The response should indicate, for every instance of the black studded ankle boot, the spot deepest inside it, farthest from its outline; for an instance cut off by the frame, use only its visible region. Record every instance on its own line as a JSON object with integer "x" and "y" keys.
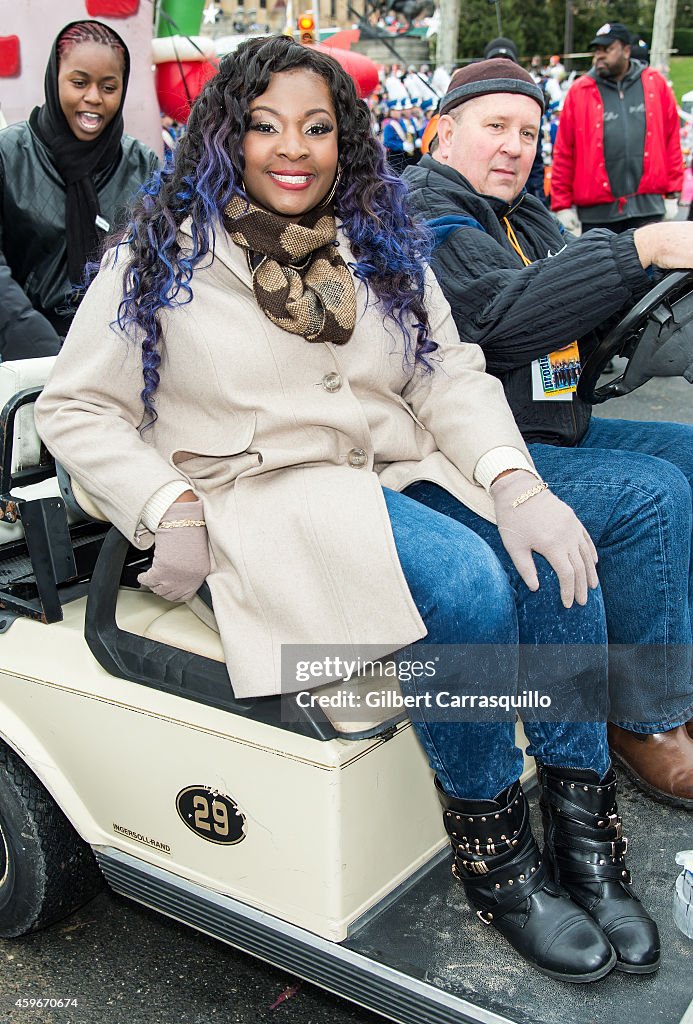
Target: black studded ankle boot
{"x": 499, "y": 864}
{"x": 585, "y": 853}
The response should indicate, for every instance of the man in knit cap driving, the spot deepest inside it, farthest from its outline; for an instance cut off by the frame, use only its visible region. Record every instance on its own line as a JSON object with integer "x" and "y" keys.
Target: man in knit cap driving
{"x": 535, "y": 299}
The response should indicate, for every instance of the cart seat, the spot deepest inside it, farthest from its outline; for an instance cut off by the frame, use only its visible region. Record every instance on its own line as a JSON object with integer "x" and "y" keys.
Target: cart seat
{"x": 27, "y": 458}
{"x": 16, "y": 376}
{"x": 178, "y": 628}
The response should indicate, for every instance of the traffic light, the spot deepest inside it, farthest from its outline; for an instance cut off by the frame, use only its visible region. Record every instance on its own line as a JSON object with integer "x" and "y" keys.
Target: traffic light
{"x": 306, "y": 29}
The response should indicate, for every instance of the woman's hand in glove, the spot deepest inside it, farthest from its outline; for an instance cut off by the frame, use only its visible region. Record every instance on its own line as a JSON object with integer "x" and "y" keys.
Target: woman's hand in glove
{"x": 181, "y": 553}
{"x": 545, "y": 524}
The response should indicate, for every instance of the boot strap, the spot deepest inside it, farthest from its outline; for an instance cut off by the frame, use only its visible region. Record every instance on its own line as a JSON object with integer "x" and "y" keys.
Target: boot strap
{"x": 577, "y": 791}
{"x": 481, "y": 833}
{"x": 511, "y": 883}
{"x": 612, "y": 849}
{"x": 521, "y": 892}
{"x": 571, "y": 870}
{"x": 594, "y": 819}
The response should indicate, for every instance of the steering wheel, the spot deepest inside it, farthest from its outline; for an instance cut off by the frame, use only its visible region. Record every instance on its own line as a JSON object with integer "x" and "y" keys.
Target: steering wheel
{"x": 656, "y": 337}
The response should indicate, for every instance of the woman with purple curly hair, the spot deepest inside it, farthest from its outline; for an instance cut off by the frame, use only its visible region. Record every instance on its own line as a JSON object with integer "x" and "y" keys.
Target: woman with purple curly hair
{"x": 257, "y": 374}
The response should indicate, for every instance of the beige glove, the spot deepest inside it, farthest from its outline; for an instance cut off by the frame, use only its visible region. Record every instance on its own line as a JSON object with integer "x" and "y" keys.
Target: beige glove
{"x": 543, "y": 523}
{"x": 181, "y": 553}
{"x": 570, "y": 220}
{"x": 671, "y": 209}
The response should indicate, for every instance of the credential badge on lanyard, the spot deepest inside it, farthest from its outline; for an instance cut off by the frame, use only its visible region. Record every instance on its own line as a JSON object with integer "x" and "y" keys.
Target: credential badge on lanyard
{"x": 555, "y": 375}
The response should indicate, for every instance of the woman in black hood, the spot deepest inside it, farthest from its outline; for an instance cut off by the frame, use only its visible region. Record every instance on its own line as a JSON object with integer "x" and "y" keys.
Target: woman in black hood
{"x": 66, "y": 177}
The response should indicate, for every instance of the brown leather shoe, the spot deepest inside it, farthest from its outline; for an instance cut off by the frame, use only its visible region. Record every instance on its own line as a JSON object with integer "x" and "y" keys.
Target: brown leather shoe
{"x": 660, "y": 764}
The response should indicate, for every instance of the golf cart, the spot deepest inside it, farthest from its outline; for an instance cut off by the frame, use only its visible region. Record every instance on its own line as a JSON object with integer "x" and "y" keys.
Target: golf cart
{"x": 308, "y": 840}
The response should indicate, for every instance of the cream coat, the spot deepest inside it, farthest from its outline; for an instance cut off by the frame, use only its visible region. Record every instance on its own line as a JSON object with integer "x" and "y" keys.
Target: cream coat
{"x": 300, "y": 538}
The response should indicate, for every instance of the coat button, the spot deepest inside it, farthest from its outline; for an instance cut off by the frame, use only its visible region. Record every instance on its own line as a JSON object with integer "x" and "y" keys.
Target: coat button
{"x": 357, "y": 457}
{"x": 332, "y": 382}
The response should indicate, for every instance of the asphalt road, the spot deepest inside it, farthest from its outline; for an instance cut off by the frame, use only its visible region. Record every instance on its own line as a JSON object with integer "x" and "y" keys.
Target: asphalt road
{"x": 123, "y": 963}
{"x": 661, "y": 399}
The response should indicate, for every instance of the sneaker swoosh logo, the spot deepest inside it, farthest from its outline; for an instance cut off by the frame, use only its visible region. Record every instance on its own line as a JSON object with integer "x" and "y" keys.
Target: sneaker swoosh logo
{"x": 550, "y": 254}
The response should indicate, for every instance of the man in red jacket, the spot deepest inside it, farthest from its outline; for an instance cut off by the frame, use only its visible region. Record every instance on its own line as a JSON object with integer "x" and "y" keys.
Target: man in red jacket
{"x": 618, "y": 150}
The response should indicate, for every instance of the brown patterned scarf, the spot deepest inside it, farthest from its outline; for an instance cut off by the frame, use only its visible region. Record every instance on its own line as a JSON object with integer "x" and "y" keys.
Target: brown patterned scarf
{"x": 300, "y": 281}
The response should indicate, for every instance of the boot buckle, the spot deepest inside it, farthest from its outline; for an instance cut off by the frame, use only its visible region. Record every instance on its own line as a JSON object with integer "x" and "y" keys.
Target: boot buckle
{"x": 475, "y": 867}
{"x": 486, "y": 920}
{"x": 622, "y": 844}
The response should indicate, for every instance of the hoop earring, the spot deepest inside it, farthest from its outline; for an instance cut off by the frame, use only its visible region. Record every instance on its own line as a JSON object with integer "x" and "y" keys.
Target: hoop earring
{"x": 335, "y": 185}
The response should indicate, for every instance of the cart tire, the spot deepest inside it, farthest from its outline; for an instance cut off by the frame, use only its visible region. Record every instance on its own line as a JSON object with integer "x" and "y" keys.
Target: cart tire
{"x": 46, "y": 869}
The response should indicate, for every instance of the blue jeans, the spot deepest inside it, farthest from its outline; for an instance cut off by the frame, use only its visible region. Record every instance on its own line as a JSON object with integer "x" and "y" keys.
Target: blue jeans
{"x": 630, "y": 484}
{"x": 467, "y": 597}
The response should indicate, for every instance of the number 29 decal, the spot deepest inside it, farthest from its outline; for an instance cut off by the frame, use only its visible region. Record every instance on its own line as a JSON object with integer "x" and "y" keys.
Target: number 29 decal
{"x": 211, "y": 815}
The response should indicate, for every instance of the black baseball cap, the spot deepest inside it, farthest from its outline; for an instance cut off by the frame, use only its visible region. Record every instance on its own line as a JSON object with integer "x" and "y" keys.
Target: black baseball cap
{"x": 502, "y": 47}
{"x": 612, "y": 32}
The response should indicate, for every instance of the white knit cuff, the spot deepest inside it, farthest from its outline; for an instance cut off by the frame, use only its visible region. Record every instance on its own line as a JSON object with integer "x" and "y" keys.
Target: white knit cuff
{"x": 497, "y": 461}
{"x": 161, "y": 501}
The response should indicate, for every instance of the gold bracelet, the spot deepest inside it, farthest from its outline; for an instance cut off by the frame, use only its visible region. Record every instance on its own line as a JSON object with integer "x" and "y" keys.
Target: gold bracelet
{"x": 174, "y": 524}
{"x": 537, "y": 489}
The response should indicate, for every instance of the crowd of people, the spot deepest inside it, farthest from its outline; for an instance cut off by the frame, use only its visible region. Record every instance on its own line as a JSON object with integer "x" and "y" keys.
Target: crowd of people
{"x": 369, "y": 458}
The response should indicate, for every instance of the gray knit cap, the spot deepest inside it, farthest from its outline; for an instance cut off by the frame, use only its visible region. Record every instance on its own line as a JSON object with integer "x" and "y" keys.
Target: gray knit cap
{"x": 487, "y": 76}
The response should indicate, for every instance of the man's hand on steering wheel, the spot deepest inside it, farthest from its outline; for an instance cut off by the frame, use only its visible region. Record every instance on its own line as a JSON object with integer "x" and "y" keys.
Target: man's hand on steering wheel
{"x": 668, "y": 245}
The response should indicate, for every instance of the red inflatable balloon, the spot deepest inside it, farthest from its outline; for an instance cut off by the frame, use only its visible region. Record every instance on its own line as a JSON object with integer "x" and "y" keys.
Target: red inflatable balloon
{"x": 362, "y": 69}
{"x": 179, "y": 84}
{"x": 173, "y": 79}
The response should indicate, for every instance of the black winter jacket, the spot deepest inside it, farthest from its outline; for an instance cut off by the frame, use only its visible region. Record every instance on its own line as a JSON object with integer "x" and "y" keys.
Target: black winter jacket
{"x": 32, "y": 227}
{"x": 519, "y": 313}
{"x": 24, "y": 333}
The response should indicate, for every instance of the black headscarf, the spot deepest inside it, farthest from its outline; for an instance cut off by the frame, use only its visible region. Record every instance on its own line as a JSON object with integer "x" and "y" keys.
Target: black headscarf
{"x": 77, "y": 161}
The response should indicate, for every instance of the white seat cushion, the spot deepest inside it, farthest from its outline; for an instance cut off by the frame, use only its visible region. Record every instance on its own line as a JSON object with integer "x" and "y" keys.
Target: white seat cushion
{"x": 179, "y": 627}
{"x": 16, "y": 375}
